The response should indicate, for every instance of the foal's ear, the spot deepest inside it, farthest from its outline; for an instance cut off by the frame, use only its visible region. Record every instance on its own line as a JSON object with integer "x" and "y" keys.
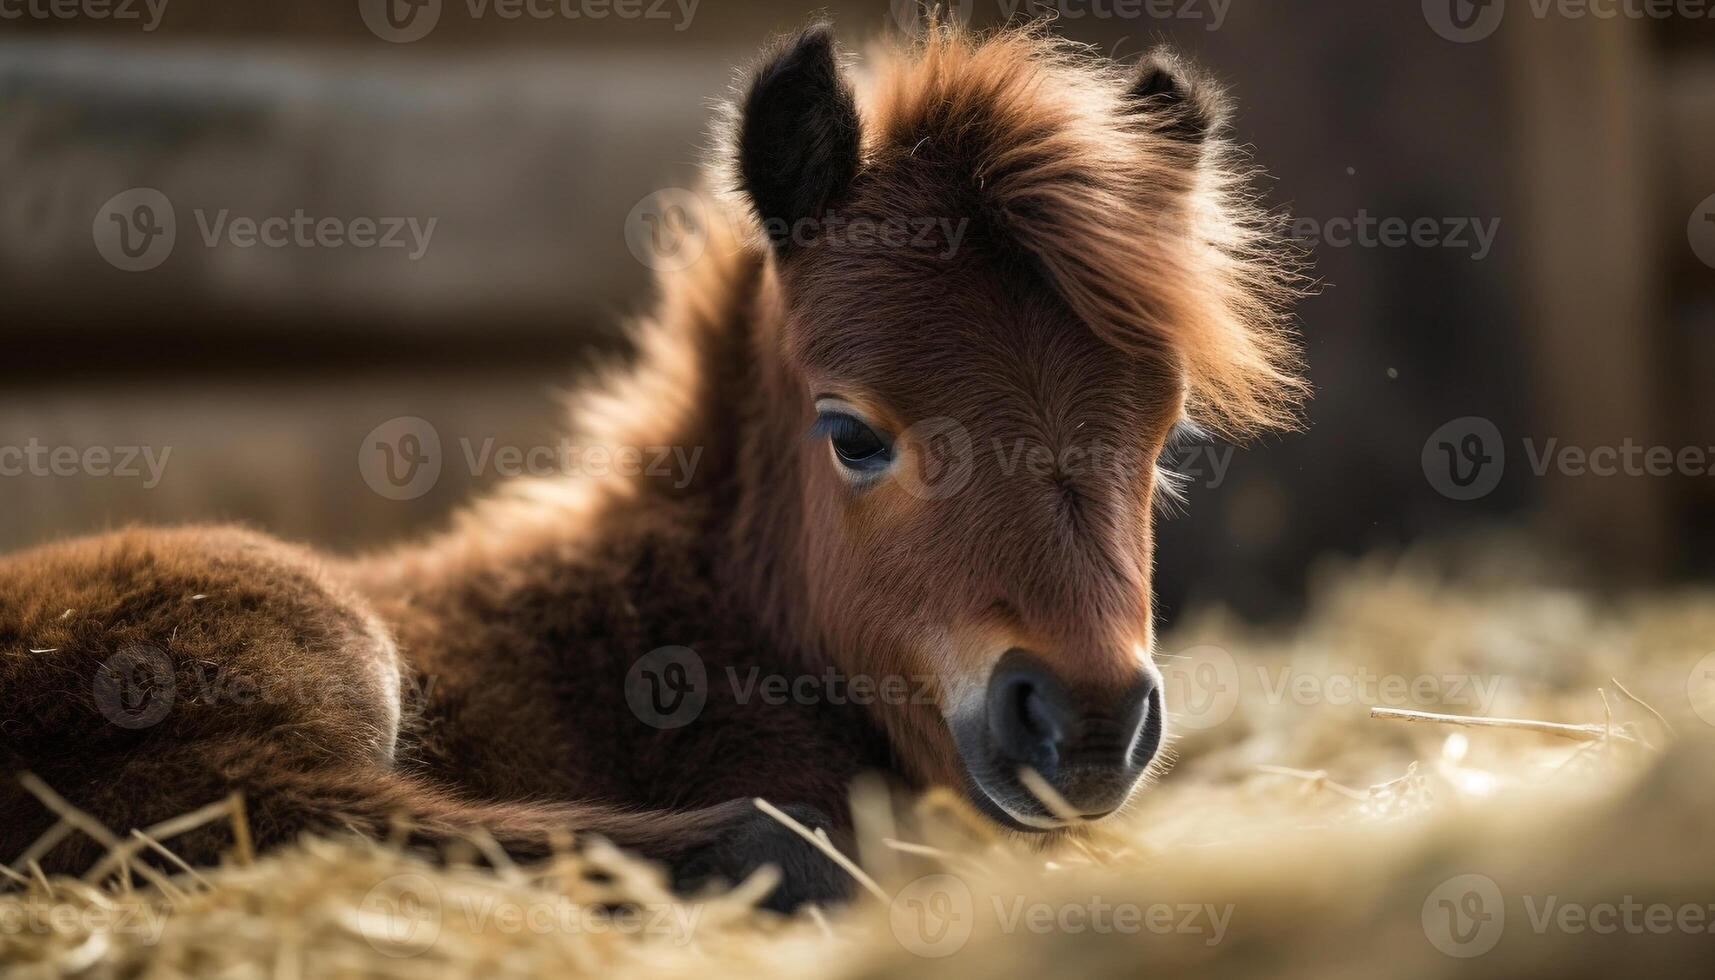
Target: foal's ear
{"x": 798, "y": 134}
{"x": 1176, "y": 99}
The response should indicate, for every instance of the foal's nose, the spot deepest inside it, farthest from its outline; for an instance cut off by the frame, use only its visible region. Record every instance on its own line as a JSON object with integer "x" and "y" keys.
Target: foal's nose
{"x": 1090, "y": 746}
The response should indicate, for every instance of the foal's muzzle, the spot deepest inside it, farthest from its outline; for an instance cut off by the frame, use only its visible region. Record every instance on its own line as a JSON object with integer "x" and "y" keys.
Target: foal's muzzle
{"x": 1091, "y": 746}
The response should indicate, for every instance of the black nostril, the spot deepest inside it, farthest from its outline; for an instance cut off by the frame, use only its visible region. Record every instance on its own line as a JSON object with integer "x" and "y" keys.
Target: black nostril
{"x": 1028, "y": 712}
{"x": 1040, "y": 718}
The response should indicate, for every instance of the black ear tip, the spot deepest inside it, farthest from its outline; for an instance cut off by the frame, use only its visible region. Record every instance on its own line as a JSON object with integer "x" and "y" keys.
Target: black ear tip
{"x": 816, "y": 37}
{"x": 805, "y": 60}
{"x": 1188, "y": 105}
{"x": 798, "y": 136}
{"x": 1161, "y": 74}
{"x": 811, "y": 49}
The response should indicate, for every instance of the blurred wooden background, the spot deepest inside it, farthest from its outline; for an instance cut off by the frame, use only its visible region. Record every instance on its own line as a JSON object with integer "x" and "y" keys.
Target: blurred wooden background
{"x": 530, "y": 141}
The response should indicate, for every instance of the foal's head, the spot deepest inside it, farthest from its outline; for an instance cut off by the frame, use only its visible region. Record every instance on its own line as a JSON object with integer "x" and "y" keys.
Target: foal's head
{"x": 1004, "y": 277}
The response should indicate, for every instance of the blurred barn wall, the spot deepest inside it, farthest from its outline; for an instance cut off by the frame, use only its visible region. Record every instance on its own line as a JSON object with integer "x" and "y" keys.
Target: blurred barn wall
{"x": 1584, "y": 143}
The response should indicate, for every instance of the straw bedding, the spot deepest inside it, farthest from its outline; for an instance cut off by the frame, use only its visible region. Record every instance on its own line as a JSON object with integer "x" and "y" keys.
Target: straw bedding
{"x": 1297, "y": 835}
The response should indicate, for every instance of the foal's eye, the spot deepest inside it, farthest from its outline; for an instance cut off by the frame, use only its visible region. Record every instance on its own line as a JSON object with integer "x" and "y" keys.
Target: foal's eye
{"x": 857, "y": 446}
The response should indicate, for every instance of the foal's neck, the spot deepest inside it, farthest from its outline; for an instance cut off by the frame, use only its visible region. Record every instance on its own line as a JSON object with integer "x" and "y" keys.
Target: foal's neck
{"x": 760, "y": 522}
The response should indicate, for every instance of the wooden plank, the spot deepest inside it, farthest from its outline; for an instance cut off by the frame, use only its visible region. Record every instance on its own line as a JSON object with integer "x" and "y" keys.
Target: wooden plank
{"x": 1581, "y": 100}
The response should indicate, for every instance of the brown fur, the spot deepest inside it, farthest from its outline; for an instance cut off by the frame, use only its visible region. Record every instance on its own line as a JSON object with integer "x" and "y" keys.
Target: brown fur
{"x": 1110, "y": 281}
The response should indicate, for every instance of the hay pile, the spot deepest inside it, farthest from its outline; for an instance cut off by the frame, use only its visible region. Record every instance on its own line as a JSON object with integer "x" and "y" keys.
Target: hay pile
{"x": 1297, "y": 835}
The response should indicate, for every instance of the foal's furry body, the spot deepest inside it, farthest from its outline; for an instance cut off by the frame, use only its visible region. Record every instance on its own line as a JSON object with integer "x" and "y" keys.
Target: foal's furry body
{"x": 477, "y": 679}
{"x": 457, "y": 683}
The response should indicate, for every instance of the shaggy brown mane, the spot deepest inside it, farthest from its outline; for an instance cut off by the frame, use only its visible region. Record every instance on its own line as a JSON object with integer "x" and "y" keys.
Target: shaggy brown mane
{"x": 1154, "y": 241}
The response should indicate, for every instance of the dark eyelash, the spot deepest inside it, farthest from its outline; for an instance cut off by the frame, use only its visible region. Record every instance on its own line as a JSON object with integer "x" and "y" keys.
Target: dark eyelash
{"x": 838, "y": 425}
